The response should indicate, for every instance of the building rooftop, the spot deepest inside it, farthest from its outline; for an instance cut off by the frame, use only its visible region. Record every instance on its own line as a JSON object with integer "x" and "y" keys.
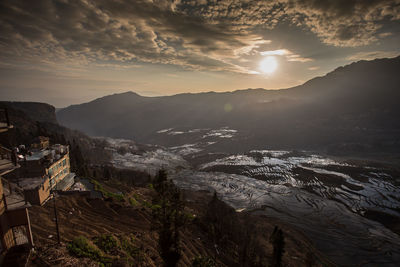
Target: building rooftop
{"x": 37, "y": 155}
{"x": 54, "y": 152}
{"x": 30, "y": 183}
{"x": 14, "y": 199}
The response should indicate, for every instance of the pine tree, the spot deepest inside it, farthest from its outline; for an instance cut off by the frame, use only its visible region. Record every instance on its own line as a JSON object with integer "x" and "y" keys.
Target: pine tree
{"x": 278, "y": 242}
{"x": 168, "y": 210}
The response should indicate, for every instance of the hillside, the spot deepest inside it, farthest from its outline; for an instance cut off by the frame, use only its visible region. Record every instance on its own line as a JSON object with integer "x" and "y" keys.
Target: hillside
{"x": 31, "y": 120}
{"x": 125, "y": 218}
{"x": 121, "y": 221}
{"x": 36, "y": 111}
{"x": 350, "y": 108}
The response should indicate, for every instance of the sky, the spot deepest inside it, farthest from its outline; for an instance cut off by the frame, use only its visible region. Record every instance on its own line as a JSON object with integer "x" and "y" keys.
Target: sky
{"x": 72, "y": 51}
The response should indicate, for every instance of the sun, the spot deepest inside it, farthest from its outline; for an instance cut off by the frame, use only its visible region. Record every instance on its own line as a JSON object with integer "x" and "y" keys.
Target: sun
{"x": 268, "y": 65}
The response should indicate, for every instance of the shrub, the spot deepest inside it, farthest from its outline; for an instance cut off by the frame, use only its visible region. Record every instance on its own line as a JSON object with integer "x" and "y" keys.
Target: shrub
{"x": 133, "y": 202}
{"x": 82, "y": 247}
{"x": 107, "y": 243}
{"x": 201, "y": 261}
{"x": 128, "y": 246}
{"x": 99, "y": 187}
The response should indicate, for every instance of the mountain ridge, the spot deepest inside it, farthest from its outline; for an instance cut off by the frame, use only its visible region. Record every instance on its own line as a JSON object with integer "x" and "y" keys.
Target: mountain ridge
{"x": 312, "y": 80}
{"x": 348, "y": 105}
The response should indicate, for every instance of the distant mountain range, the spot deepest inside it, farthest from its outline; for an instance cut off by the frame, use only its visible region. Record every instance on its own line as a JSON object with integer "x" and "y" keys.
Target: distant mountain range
{"x": 353, "y": 108}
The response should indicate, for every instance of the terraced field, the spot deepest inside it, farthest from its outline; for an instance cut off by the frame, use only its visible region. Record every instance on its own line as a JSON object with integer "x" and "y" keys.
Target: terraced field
{"x": 349, "y": 209}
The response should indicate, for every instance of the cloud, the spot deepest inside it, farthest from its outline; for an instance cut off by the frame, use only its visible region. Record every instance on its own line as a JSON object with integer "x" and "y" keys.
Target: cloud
{"x": 335, "y": 22}
{"x": 197, "y": 35}
{"x": 314, "y": 68}
{"x": 385, "y": 34}
{"x": 290, "y": 56}
{"x": 372, "y": 55}
{"x": 85, "y": 32}
{"x": 344, "y": 22}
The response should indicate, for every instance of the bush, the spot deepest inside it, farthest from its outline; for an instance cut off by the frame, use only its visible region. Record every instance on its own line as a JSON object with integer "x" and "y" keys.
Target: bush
{"x": 82, "y": 247}
{"x": 133, "y": 202}
{"x": 99, "y": 187}
{"x": 128, "y": 246}
{"x": 107, "y": 243}
{"x": 201, "y": 261}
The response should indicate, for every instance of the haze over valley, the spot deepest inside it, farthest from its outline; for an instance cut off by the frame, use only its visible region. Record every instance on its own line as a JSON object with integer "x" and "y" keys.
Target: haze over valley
{"x": 351, "y": 109}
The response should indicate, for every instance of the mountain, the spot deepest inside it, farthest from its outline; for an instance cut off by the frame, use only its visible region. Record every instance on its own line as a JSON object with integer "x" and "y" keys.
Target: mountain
{"x": 351, "y": 108}
{"x": 33, "y": 119}
{"x": 41, "y": 112}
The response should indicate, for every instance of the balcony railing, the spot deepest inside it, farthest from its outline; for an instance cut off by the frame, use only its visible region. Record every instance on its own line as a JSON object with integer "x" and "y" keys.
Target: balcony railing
{"x": 5, "y": 153}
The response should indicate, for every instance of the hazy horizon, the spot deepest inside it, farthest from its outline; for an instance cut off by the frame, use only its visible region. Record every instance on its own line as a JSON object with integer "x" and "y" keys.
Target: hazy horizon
{"x": 64, "y": 53}
{"x": 154, "y": 94}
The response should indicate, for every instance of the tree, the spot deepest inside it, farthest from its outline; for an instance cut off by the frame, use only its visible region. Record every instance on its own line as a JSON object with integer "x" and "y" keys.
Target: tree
{"x": 278, "y": 242}
{"x": 106, "y": 172}
{"x": 77, "y": 160}
{"x": 168, "y": 211}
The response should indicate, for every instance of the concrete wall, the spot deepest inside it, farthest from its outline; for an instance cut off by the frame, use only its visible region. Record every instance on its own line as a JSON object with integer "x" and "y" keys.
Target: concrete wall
{"x": 39, "y": 194}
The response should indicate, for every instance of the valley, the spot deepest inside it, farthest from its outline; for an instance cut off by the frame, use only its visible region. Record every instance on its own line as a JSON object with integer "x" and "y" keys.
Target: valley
{"x": 337, "y": 203}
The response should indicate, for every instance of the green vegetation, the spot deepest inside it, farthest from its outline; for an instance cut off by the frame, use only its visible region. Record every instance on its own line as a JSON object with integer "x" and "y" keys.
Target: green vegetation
{"x": 107, "y": 243}
{"x": 107, "y": 249}
{"x": 99, "y": 187}
{"x": 127, "y": 244}
{"x": 82, "y": 247}
{"x": 168, "y": 211}
{"x": 133, "y": 202}
{"x": 201, "y": 261}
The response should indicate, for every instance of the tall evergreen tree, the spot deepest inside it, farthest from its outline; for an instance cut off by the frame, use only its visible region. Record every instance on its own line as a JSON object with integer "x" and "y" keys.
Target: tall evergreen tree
{"x": 169, "y": 214}
{"x": 278, "y": 242}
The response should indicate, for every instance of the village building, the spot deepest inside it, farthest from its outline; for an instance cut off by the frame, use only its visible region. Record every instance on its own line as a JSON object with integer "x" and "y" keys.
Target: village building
{"x": 44, "y": 169}
{"x": 36, "y": 190}
{"x": 15, "y": 228}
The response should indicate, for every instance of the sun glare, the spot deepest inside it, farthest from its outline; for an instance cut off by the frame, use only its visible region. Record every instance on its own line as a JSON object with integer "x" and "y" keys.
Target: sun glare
{"x": 268, "y": 65}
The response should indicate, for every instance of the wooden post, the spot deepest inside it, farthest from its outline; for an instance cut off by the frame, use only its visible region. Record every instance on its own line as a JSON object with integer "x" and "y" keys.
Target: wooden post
{"x": 55, "y": 213}
{"x": 5, "y": 201}
{"x": 28, "y": 228}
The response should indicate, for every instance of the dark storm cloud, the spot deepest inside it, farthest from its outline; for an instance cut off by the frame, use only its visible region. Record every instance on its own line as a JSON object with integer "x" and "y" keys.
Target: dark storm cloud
{"x": 114, "y": 30}
{"x": 194, "y": 34}
{"x": 336, "y": 22}
{"x": 345, "y": 22}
